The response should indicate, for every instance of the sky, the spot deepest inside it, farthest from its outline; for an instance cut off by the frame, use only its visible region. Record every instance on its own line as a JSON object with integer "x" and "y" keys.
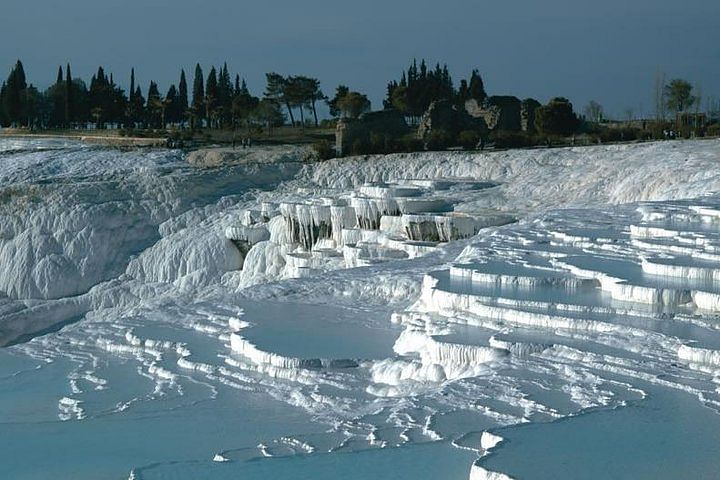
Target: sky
{"x": 608, "y": 50}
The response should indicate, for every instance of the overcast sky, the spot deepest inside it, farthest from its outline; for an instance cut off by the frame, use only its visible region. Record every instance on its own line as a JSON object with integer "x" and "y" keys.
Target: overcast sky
{"x": 607, "y": 50}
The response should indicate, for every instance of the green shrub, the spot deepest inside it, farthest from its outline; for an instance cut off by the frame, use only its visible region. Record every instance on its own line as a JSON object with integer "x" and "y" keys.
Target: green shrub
{"x": 360, "y": 146}
{"x": 506, "y": 139}
{"x": 378, "y": 143}
{"x": 328, "y": 123}
{"x": 438, "y": 140}
{"x": 713, "y": 130}
{"x": 324, "y": 149}
{"x": 468, "y": 139}
{"x": 410, "y": 143}
{"x": 623, "y": 135}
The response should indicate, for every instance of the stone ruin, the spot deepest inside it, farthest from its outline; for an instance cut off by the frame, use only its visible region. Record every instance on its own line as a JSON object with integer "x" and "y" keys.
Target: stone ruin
{"x": 505, "y": 113}
{"x": 444, "y": 115}
{"x": 383, "y": 122}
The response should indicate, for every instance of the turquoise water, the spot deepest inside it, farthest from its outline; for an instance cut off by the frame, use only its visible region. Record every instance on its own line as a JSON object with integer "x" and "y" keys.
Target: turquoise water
{"x": 430, "y": 461}
{"x": 174, "y": 439}
{"x": 668, "y": 435}
{"x": 34, "y": 444}
{"x": 323, "y": 331}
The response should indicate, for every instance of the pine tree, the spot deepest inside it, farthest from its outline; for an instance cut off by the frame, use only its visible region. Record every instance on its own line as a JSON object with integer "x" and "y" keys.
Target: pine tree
{"x": 276, "y": 91}
{"x": 353, "y": 104}
{"x": 295, "y": 93}
{"x": 306, "y": 93}
{"x": 340, "y": 92}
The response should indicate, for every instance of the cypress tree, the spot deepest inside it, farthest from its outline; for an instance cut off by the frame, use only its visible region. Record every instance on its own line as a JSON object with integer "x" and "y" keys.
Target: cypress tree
{"x": 4, "y": 120}
{"x": 154, "y": 105}
{"x": 15, "y": 95}
{"x": 118, "y": 103}
{"x": 224, "y": 86}
{"x": 132, "y": 83}
{"x": 225, "y": 94}
{"x": 171, "y": 109}
{"x": 463, "y": 93}
{"x": 476, "y": 88}
{"x": 198, "y": 100}
{"x": 56, "y": 94}
{"x": 130, "y": 114}
{"x": 211, "y": 95}
{"x": 130, "y": 110}
{"x": 182, "y": 96}
{"x": 69, "y": 100}
{"x": 139, "y": 105}
{"x": 102, "y": 98}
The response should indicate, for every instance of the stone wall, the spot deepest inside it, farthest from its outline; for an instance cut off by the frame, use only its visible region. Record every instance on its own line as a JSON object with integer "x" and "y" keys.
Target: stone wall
{"x": 384, "y": 122}
{"x": 499, "y": 112}
{"x": 443, "y": 115}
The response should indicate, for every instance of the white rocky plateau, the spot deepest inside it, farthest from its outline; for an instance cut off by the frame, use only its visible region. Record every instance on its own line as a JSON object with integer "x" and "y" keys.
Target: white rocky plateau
{"x": 394, "y": 300}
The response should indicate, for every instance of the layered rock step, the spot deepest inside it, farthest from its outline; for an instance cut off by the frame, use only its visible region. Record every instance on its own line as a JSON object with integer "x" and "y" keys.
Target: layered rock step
{"x": 377, "y": 222}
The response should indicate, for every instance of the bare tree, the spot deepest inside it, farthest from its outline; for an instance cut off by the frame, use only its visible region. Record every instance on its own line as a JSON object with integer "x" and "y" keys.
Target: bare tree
{"x": 679, "y": 95}
{"x": 660, "y": 100}
{"x": 629, "y": 114}
{"x": 712, "y": 107}
{"x": 594, "y": 112}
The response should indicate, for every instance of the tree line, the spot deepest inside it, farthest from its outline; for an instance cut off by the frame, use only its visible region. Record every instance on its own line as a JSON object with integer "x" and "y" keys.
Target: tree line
{"x": 219, "y": 100}
{"x": 419, "y": 86}
{"x": 215, "y": 101}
